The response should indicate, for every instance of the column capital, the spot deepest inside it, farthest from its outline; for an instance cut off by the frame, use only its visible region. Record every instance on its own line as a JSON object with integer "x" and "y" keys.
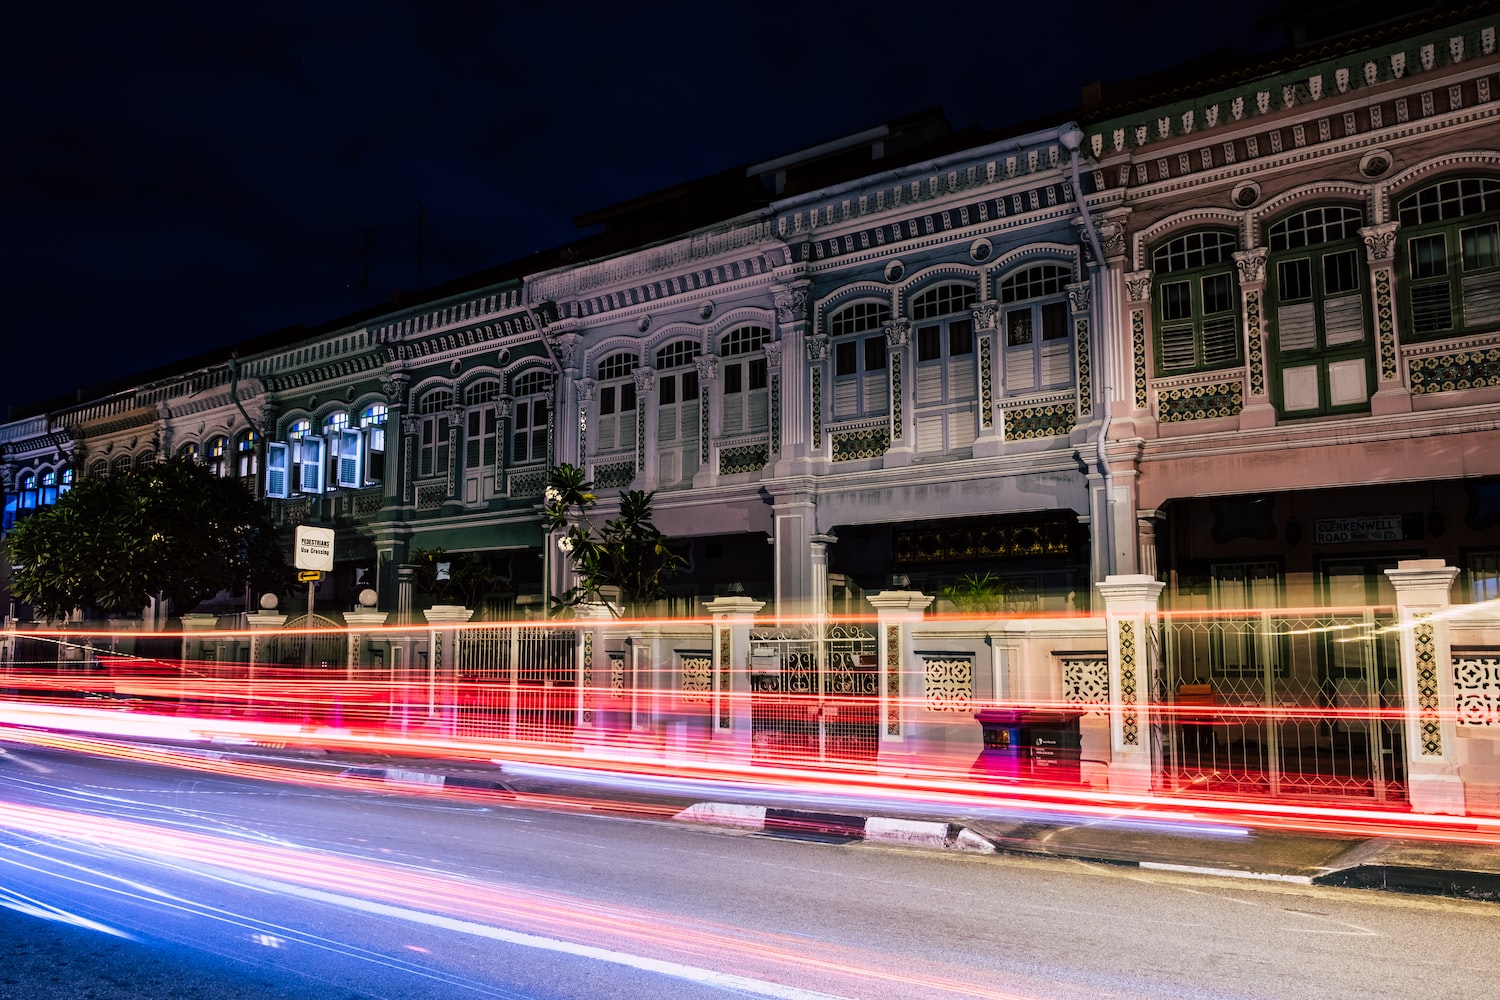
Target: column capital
{"x": 1252, "y": 265}
{"x": 1380, "y": 241}
{"x": 1138, "y": 286}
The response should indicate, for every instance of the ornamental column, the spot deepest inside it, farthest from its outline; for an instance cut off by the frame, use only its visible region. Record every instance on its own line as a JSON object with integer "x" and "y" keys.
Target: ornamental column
{"x": 647, "y": 461}
{"x": 1423, "y": 589}
{"x": 1130, "y": 604}
{"x": 1258, "y": 411}
{"x": 395, "y": 389}
{"x": 794, "y": 522}
{"x": 791, "y": 400}
{"x": 1080, "y": 299}
{"x": 1392, "y": 395}
{"x": 819, "y": 446}
{"x": 991, "y": 431}
{"x": 585, "y": 389}
{"x": 710, "y": 421}
{"x": 569, "y": 422}
{"x": 455, "y": 457}
{"x": 903, "y": 447}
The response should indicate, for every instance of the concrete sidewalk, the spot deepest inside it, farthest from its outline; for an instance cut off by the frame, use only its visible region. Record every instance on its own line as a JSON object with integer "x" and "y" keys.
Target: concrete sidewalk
{"x": 1412, "y": 866}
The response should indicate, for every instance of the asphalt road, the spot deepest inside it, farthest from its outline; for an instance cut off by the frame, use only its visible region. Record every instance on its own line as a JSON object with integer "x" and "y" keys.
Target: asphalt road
{"x": 123, "y": 880}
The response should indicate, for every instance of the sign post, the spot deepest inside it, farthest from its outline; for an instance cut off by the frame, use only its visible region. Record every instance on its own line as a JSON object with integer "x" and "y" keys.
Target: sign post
{"x": 314, "y": 557}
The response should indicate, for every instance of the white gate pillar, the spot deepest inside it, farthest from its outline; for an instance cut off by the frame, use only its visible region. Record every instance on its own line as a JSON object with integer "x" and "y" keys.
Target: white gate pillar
{"x": 1130, "y": 604}
{"x": 733, "y": 618}
{"x": 442, "y": 663}
{"x": 1423, "y": 587}
{"x": 896, "y": 611}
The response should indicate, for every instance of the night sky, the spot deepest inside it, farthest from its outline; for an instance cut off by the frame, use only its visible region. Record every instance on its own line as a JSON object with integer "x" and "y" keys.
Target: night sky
{"x": 177, "y": 177}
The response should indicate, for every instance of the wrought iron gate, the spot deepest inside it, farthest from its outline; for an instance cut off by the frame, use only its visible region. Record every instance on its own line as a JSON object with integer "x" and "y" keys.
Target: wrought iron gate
{"x": 517, "y": 682}
{"x": 1279, "y": 703}
{"x": 815, "y": 693}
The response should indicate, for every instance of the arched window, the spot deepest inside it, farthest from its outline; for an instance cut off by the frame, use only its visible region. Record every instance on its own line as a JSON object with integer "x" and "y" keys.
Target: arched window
{"x": 615, "y": 428}
{"x": 247, "y": 464}
{"x": 677, "y": 410}
{"x": 1450, "y": 256}
{"x": 481, "y": 435}
{"x": 28, "y": 492}
{"x": 1038, "y": 336}
{"x": 98, "y": 469}
{"x": 122, "y": 465}
{"x": 189, "y": 452}
{"x": 306, "y": 458}
{"x": 745, "y": 406}
{"x": 1322, "y": 352}
{"x": 142, "y": 460}
{"x": 67, "y": 481}
{"x": 216, "y": 455}
{"x": 48, "y": 495}
{"x": 1197, "y": 321}
{"x": 432, "y": 450}
{"x": 372, "y": 421}
{"x": 530, "y": 414}
{"x": 861, "y": 385}
{"x": 947, "y": 376}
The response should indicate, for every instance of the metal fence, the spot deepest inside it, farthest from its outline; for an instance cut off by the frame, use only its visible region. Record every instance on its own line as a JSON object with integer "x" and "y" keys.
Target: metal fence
{"x": 1281, "y": 703}
{"x": 815, "y": 693}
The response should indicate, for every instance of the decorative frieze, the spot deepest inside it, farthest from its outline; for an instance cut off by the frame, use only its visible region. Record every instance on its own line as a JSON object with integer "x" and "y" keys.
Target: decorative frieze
{"x": 1027, "y": 423}
{"x": 1200, "y": 402}
{"x": 1476, "y": 369}
{"x": 866, "y": 442}
{"x": 616, "y": 475}
{"x": 746, "y": 458}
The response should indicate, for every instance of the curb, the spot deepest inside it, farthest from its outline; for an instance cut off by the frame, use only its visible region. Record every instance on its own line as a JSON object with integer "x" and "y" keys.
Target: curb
{"x": 403, "y": 776}
{"x": 877, "y": 829}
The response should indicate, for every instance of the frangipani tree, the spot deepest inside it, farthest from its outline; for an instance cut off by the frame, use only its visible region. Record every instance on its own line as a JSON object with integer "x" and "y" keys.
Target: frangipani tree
{"x": 627, "y": 553}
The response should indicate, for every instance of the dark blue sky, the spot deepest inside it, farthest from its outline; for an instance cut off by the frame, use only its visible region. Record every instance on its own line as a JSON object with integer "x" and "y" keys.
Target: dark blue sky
{"x": 178, "y": 176}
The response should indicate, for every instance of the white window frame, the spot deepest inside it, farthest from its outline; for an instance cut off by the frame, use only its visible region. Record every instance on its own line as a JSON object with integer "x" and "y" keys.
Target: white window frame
{"x": 946, "y": 384}
{"x": 861, "y": 391}
{"x": 1027, "y": 297}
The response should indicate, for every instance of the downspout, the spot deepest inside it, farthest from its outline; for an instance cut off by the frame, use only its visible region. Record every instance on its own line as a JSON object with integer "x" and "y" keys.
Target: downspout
{"x": 536, "y": 321}
{"x": 1071, "y": 136}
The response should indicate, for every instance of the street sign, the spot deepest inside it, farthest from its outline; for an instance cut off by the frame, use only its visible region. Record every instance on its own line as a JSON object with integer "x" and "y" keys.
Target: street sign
{"x": 309, "y": 576}
{"x": 314, "y": 548}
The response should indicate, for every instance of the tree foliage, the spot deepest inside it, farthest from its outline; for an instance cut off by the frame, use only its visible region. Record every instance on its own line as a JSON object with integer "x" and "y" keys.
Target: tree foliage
{"x": 627, "y": 553}
{"x": 465, "y": 578}
{"x": 172, "y": 528}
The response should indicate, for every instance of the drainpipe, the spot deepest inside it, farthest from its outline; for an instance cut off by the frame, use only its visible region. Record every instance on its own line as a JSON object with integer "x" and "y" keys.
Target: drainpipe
{"x": 1071, "y": 136}
{"x": 541, "y": 331}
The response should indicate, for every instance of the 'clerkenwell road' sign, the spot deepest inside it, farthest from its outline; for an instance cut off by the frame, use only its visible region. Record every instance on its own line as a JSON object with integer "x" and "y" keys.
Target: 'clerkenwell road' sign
{"x": 1373, "y": 528}
{"x": 314, "y": 548}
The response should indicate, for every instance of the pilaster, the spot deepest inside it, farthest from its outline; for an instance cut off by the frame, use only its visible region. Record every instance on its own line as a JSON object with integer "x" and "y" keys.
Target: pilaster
{"x": 896, "y": 611}
{"x": 1423, "y": 595}
{"x": 1391, "y": 392}
{"x": 1130, "y": 605}
{"x": 1258, "y": 411}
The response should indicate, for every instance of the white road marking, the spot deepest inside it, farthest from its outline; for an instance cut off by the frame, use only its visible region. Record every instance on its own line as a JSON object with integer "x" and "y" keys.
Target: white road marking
{"x": 691, "y": 973}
